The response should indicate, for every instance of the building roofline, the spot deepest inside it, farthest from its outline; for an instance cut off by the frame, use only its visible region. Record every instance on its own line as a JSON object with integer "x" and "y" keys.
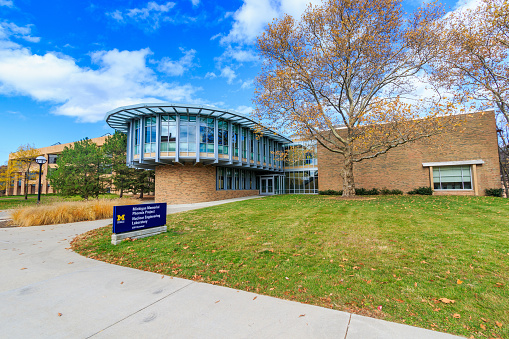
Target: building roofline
{"x": 118, "y": 118}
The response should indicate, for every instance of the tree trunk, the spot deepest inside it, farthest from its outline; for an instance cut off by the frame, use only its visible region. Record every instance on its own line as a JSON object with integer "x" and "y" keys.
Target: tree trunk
{"x": 141, "y": 192}
{"x": 505, "y": 175}
{"x": 27, "y": 174}
{"x": 121, "y": 192}
{"x": 348, "y": 179}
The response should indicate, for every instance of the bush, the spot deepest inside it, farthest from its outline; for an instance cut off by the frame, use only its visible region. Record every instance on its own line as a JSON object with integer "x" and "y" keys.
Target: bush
{"x": 396, "y": 192}
{"x": 67, "y": 212}
{"x": 363, "y": 191}
{"x": 330, "y": 192}
{"x": 493, "y": 192}
{"x": 422, "y": 191}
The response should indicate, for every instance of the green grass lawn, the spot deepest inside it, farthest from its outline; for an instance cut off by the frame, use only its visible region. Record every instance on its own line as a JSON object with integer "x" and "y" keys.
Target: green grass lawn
{"x": 400, "y": 253}
{"x": 15, "y": 201}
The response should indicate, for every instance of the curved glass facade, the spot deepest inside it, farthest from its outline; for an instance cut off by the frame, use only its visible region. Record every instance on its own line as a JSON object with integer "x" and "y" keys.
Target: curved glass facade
{"x": 161, "y": 134}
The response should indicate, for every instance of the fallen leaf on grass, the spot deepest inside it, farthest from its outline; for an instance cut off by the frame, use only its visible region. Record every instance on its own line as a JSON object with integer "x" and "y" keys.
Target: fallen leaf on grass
{"x": 456, "y": 316}
{"x": 447, "y": 301}
{"x": 499, "y": 284}
{"x": 482, "y": 326}
{"x": 498, "y": 323}
{"x": 223, "y": 271}
{"x": 484, "y": 320}
{"x": 437, "y": 309}
{"x": 459, "y": 282}
{"x": 186, "y": 247}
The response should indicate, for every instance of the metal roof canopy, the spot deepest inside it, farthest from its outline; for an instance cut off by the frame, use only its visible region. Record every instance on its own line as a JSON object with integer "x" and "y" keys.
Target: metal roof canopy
{"x": 119, "y": 117}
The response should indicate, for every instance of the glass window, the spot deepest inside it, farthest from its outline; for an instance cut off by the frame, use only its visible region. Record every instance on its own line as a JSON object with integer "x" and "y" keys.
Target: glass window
{"x": 52, "y": 158}
{"x": 206, "y": 135}
{"x": 150, "y": 135}
{"x": 222, "y": 137}
{"x": 168, "y": 133}
{"x": 235, "y": 140}
{"x": 452, "y": 178}
{"x": 244, "y": 142}
{"x": 187, "y": 138}
{"x": 137, "y": 137}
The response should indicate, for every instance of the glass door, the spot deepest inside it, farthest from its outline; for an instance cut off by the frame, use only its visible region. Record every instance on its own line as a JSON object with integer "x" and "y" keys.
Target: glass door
{"x": 267, "y": 185}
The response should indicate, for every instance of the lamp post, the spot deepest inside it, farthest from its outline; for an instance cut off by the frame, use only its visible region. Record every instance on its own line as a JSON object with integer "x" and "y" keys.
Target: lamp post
{"x": 41, "y": 161}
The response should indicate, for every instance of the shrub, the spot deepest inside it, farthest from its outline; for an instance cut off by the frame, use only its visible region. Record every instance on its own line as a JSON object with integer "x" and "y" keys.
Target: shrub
{"x": 397, "y": 192}
{"x": 361, "y": 191}
{"x": 493, "y": 192}
{"x": 422, "y": 191}
{"x": 330, "y": 192}
{"x": 66, "y": 212}
{"x": 373, "y": 191}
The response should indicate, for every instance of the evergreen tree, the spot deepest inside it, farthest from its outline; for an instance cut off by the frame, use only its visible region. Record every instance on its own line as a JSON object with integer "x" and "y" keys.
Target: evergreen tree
{"x": 115, "y": 150}
{"x": 80, "y": 170}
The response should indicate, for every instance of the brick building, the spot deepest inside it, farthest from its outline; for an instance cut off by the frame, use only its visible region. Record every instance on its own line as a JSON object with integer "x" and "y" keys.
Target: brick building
{"x": 51, "y": 153}
{"x": 202, "y": 153}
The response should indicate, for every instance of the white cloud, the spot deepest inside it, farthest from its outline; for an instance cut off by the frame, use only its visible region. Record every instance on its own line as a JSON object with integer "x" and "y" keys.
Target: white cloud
{"x": 229, "y": 74}
{"x": 210, "y": 75}
{"x": 466, "y": 4}
{"x": 10, "y": 29}
{"x": 195, "y": 2}
{"x": 251, "y": 19}
{"x": 247, "y": 84}
{"x": 239, "y": 54}
{"x": 6, "y": 3}
{"x": 121, "y": 78}
{"x": 246, "y": 110}
{"x": 149, "y": 17}
{"x": 176, "y": 68}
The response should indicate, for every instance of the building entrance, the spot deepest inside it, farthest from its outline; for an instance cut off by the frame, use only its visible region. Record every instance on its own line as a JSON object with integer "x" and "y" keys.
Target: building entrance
{"x": 271, "y": 184}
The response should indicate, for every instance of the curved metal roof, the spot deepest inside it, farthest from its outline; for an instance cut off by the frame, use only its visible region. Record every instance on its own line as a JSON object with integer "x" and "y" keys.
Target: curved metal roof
{"x": 119, "y": 117}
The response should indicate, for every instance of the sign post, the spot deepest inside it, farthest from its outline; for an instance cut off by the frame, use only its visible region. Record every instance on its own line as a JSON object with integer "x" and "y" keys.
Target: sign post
{"x": 138, "y": 221}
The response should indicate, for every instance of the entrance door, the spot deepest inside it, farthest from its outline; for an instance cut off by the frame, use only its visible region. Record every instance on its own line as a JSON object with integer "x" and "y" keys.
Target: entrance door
{"x": 267, "y": 186}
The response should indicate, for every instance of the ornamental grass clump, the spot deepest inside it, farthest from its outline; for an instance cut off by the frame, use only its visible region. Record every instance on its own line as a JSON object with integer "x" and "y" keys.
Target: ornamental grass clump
{"x": 67, "y": 212}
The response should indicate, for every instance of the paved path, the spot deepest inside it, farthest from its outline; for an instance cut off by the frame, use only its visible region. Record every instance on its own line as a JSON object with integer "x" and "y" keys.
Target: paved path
{"x": 48, "y": 291}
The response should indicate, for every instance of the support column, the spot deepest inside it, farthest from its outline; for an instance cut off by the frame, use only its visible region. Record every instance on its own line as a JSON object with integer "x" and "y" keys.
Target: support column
{"x": 474, "y": 180}
{"x": 431, "y": 177}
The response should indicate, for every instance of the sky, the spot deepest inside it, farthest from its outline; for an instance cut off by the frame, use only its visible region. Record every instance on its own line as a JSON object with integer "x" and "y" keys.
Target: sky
{"x": 64, "y": 64}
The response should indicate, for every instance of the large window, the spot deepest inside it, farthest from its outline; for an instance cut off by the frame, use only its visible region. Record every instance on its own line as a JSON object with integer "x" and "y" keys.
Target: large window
{"x": 150, "y": 135}
{"x": 235, "y": 140}
{"x": 222, "y": 137}
{"x": 137, "y": 137}
{"x": 52, "y": 158}
{"x": 168, "y": 133}
{"x": 207, "y": 135}
{"x": 301, "y": 155}
{"x": 187, "y": 142}
{"x": 452, "y": 178}
{"x": 301, "y": 182}
{"x": 235, "y": 179}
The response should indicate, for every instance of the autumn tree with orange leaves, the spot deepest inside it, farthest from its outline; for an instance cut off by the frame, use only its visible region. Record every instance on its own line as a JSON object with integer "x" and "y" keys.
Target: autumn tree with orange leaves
{"x": 473, "y": 63}
{"x": 343, "y": 73}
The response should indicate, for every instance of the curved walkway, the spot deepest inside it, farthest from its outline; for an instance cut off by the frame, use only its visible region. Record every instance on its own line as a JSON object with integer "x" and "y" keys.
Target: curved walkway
{"x": 48, "y": 291}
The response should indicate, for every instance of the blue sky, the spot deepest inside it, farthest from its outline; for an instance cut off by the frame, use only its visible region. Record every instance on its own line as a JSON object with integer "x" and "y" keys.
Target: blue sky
{"x": 64, "y": 64}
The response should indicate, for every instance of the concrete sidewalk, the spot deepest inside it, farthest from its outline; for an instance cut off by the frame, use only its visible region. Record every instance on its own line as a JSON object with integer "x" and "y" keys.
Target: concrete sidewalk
{"x": 48, "y": 291}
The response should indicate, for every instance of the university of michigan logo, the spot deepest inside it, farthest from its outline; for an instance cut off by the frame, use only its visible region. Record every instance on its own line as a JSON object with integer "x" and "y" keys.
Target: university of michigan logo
{"x": 120, "y": 217}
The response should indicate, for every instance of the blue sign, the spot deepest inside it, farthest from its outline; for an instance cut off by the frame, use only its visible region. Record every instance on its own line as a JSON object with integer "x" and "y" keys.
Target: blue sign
{"x": 129, "y": 218}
